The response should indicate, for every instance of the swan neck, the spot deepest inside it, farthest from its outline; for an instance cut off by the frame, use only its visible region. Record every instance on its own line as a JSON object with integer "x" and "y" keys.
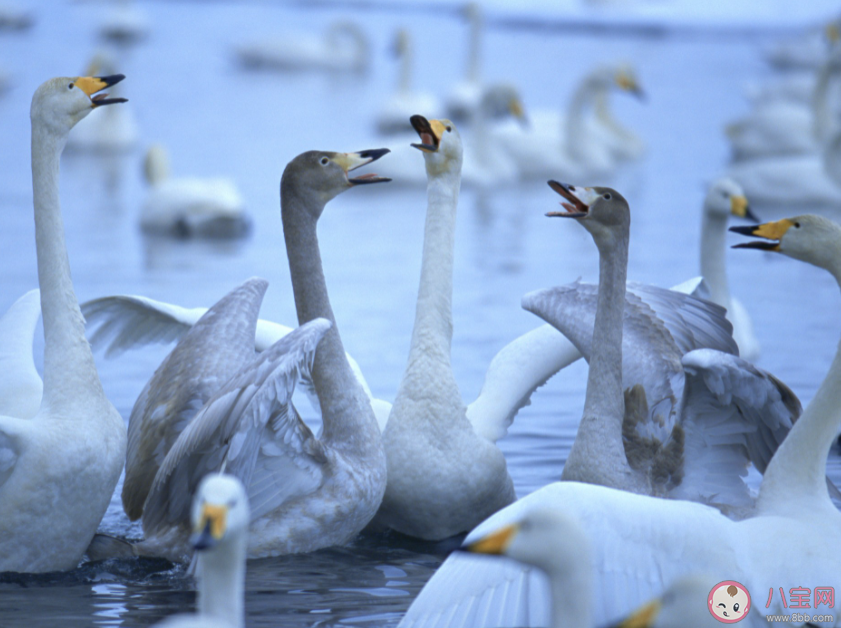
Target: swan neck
{"x": 221, "y": 583}
{"x": 583, "y": 98}
{"x": 406, "y": 61}
{"x": 797, "y": 470}
{"x": 349, "y": 421}
{"x": 821, "y": 110}
{"x": 474, "y": 55}
{"x": 433, "y": 331}
{"x": 69, "y": 369}
{"x": 713, "y": 256}
{"x": 570, "y": 602}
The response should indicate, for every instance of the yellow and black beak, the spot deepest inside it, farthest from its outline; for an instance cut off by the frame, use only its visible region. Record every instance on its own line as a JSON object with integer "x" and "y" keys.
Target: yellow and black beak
{"x": 495, "y": 543}
{"x": 211, "y": 526}
{"x": 629, "y": 84}
{"x": 430, "y": 132}
{"x": 832, "y": 32}
{"x": 643, "y": 617}
{"x": 93, "y": 84}
{"x": 740, "y": 207}
{"x": 352, "y": 161}
{"x": 575, "y": 207}
{"x": 770, "y": 231}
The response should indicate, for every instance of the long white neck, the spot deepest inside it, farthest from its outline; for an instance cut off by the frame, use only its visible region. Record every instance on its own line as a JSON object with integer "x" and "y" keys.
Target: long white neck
{"x": 571, "y": 601}
{"x": 598, "y": 455}
{"x": 821, "y": 107}
{"x": 474, "y": 58}
{"x": 70, "y": 375}
{"x": 429, "y": 354}
{"x": 404, "y": 85}
{"x": 349, "y": 421}
{"x": 797, "y": 472}
{"x": 713, "y": 256}
{"x": 221, "y": 576}
{"x": 583, "y": 99}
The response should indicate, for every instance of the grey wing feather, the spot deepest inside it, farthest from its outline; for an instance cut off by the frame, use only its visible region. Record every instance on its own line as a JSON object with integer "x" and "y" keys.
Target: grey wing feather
{"x": 215, "y": 348}
{"x": 8, "y": 449}
{"x": 231, "y": 430}
{"x": 733, "y": 413}
{"x": 121, "y": 322}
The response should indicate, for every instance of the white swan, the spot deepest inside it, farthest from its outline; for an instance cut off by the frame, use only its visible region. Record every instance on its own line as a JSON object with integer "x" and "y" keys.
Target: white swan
{"x": 394, "y": 115}
{"x": 220, "y": 516}
{"x": 805, "y": 51}
{"x": 583, "y": 141}
{"x": 465, "y": 96}
{"x": 20, "y": 385}
{"x": 640, "y": 543}
{"x": 341, "y": 48}
{"x": 546, "y": 538}
{"x": 115, "y": 131}
{"x": 788, "y": 127}
{"x": 52, "y": 503}
{"x": 190, "y": 207}
{"x": 725, "y": 197}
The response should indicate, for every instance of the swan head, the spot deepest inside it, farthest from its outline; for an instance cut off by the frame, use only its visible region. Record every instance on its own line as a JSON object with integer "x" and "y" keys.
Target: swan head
{"x": 61, "y": 102}
{"x": 220, "y": 512}
{"x": 544, "y": 537}
{"x": 726, "y": 197}
{"x": 602, "y": 211}
{"x": 440, "y": 144}
{"x": 501, "y": 101}
{"x": 809, "y": 238}
{"x": 323, "y": 175}
{"x": 618, "y": 76}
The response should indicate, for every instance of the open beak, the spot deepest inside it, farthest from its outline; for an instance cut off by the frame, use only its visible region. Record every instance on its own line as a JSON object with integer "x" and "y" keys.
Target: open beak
{"x": 93, "y": 84}
{"x": 211, "y": 527}
{"x": 739, "y": 207}
{"x": 494, "y": 543}
{"x": 772, "y": 231}
{"x": 578, "y": 200}
{"x": 430, "y": 132}
{"x": 352, "y": 161}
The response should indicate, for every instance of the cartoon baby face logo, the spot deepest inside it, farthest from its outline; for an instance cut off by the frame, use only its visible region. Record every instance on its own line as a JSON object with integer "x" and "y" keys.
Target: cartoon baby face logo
{"x": 729, "y": 602}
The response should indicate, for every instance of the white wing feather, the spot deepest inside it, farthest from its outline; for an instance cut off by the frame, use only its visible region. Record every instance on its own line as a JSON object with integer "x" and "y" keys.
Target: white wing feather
{"x": 20, "y": 385}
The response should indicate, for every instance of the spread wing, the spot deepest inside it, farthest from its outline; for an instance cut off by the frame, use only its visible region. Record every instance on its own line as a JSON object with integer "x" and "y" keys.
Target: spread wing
{"x": 248, "y": 420}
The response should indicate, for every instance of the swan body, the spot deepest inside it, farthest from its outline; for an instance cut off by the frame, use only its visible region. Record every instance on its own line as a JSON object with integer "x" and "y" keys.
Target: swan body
{"x": 124, "y": 23}
{"x": 20, "y": 385}
{"x": 220, "y": 515}
{"x": 342, "y": 48}
{"x": 394, "y": 115}
{"x": 640, "y": 543}
{"x": 585, "y": 140}
{"x": 189, "y": 207}
{"x": 725, "y": 198}
{"x": 53, "y": 504}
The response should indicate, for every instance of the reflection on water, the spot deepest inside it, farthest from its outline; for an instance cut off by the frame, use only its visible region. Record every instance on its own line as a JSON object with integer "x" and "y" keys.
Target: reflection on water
{"x": 217, "y": 119}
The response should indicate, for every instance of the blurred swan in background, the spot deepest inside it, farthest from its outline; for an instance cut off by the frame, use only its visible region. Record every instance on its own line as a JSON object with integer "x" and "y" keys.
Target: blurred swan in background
{"x": 785, "y": 126}
{"x": 465, "y": 95}
{"x": 806, "y": 51}
{"x": 54, "y": 503}
{"x": 13, "y": 17}
{"x": 405, "y": 102}
{"x": 640, "y": 543}
{"x": 113, "y": 131}
{"x": 343, "y": 47}
{"x": 190, "y": 207}
{"x": 124, "y": 23}
{"x": 20, "y": 385}
{"x": 220, "y": 515}
{"x": 583, "y": 141}
{"x": 725, "y": 198}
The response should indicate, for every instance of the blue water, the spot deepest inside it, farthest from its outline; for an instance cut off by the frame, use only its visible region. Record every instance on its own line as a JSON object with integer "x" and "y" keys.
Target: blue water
{"x": 217, "y": 119}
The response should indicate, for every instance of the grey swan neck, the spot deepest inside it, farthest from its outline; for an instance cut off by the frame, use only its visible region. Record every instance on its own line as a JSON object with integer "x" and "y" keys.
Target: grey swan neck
{"x": 349, "y": 421}
{"x": 70, "y": 375}
{"x": 598, "y": 454}
{"x": 221, "y": 576}
{"x": 713, "y": 256}
{"x": 797, "y": 471}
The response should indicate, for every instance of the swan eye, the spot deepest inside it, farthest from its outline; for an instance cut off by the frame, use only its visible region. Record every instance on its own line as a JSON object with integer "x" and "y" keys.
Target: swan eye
{"x": 324, "y": 161}
{"x": 70, "y": 86}
{"x": 797, "y": 225}
{"x": 449, "y": 129}
{"x": 607, "y": 196}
